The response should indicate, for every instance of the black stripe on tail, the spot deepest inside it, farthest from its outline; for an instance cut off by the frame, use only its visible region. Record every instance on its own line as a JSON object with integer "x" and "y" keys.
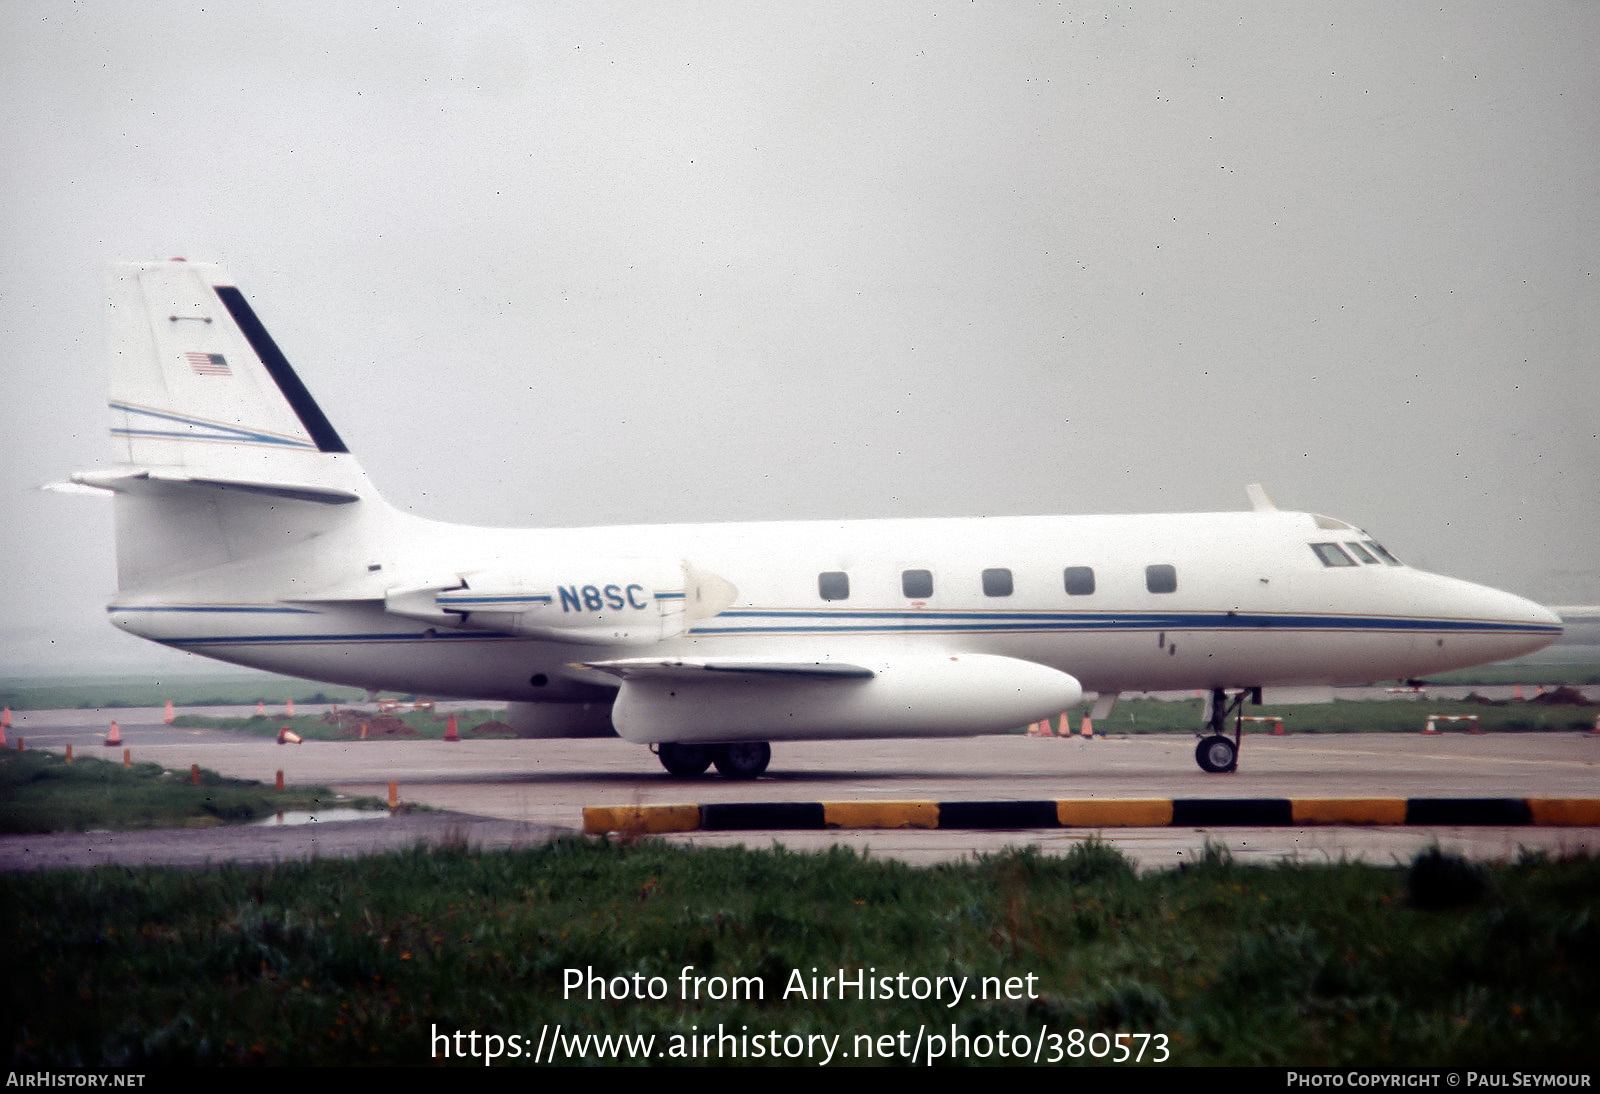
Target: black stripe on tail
{"x": 304, "y": 406}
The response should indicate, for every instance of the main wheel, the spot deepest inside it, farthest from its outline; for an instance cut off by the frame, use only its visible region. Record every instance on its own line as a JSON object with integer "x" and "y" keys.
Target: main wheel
{"x": 744, "y": 760}
{"x": 684, "y": 761}
{"x": 1216, "y": 754}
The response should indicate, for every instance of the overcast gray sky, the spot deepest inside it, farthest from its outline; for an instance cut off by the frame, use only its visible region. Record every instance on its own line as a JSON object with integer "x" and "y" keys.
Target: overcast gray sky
{"x": 550, "y": 263}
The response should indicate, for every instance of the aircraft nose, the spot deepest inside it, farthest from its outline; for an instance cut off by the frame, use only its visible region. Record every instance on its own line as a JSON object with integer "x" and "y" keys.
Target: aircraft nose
{"x": 1518, "y": 609}
{"x": 1522, "y": 623}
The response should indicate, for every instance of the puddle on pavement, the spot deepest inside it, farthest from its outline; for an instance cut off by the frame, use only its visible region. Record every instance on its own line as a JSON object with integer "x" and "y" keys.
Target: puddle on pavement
{"x": 326, "y": 816}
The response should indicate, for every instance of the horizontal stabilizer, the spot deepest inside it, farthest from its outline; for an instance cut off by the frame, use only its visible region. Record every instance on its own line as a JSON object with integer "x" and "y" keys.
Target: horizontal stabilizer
{"x": 148, "y": 482}
{"x": 81, "y": 488}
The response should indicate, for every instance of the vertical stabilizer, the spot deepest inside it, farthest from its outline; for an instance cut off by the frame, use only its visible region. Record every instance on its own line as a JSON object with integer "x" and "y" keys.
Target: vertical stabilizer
{"x": 221, "y": 455}
{"x": 200, "y": 391}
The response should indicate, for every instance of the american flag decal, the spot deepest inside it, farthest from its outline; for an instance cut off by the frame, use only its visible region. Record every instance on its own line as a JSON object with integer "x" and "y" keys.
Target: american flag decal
{"x": 208, "y": 364}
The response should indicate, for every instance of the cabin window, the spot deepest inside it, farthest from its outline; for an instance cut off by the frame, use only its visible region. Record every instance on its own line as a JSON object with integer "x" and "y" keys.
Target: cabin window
{"x": 1362, "y": 553}
{"x": 833, "y": 585}
{"x": 997, "y": 582}
{"x": 1080, "y": 580}
{"x": 917, "y": 584}
{"x": 1331, "y": 555}
{"x": 1377, "y": 549}
{"x": 1161, "y": 578}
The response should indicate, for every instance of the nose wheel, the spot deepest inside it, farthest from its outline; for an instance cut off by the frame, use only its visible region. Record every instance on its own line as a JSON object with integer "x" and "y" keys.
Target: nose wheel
{"x": 1217, "y": 753}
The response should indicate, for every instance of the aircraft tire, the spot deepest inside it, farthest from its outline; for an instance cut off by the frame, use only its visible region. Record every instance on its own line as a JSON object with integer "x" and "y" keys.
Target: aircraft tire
{"x": 744, "y": 760}
{"x": 686, "y": 761}
{"x": 1216, "y": 754}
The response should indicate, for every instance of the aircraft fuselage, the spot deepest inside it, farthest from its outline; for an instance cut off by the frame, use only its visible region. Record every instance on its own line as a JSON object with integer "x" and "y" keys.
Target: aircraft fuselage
{"x": 1250, "y": 604}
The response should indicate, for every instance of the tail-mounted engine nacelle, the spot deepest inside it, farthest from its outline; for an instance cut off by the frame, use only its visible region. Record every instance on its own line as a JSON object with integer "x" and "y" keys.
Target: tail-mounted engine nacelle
{"x": 618, "y": 602}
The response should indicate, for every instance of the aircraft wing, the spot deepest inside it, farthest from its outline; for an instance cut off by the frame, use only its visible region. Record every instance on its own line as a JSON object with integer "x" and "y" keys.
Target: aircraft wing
{"x": 640, "y": 668}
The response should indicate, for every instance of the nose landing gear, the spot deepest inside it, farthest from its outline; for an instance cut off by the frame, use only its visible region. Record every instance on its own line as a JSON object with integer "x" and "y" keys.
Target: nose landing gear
{"x": 1217, "y": 753}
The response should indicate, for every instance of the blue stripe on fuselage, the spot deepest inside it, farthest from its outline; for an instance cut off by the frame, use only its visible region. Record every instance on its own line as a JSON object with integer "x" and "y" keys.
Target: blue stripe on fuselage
{"x": 812, "y": 623}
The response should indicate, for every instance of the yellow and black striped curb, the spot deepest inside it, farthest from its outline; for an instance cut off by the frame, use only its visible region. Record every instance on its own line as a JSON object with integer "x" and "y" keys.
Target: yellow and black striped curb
{"x": 1091, "y": 813}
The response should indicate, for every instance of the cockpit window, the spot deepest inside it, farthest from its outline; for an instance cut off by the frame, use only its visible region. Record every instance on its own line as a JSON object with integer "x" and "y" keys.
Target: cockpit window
{"x": 1331, "y": 555}
{"x": 1377, "y": 549}
{"x": 1362, "y": 553}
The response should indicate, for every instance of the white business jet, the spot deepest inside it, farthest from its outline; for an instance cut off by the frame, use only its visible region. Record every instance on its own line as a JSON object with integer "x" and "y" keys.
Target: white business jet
{"x": 248, "y": 533}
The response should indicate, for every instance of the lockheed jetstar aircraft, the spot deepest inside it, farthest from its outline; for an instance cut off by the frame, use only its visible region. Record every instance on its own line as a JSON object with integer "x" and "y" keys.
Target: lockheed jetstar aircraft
{"x": 247, "y": 532}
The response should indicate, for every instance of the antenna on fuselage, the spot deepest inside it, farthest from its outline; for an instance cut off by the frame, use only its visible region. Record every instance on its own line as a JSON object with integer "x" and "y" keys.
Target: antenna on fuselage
{"x": 1258, "y": 498}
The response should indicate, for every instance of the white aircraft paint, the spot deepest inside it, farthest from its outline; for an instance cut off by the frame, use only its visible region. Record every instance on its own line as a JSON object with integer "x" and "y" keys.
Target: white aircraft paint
{"x": 246, "y": 532}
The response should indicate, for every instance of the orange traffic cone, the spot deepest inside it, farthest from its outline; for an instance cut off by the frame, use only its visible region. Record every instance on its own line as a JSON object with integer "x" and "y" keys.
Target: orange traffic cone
{"x": 1087, "y": 729}
{"x": 168, "y": 718}
{"x": 1277, "y": 727}
{"x": 261, "y": 708}
{"x": 289, "y": 708}
{"x": 5, "y": 719}
{"x": 287, "y": 736}
{"x": 450, "y": 733}
{"x": 114, "y": 738}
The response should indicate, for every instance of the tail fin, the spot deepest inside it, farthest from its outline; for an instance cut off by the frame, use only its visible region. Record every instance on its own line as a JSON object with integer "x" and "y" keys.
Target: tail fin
{"x": 216, "y": 440}
{"x": 200, "y": 392}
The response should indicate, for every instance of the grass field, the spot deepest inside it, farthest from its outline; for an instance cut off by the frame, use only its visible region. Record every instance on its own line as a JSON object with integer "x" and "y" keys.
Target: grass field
{"x": 346, "y": 962}
{"x": 42, "y": 792}
{"x": 1550, "y": 673}
{"x": 93, "y": 692}
{"x": 1346, "y": 716}
{"x": 347, "y": 724}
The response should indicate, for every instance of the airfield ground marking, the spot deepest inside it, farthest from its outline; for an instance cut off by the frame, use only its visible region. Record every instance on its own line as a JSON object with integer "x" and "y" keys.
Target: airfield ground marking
{"x": 1522, "y": 812}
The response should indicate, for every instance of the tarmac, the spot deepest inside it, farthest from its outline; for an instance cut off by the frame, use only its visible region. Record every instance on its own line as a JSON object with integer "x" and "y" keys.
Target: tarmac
{"x": 504, "y": 793}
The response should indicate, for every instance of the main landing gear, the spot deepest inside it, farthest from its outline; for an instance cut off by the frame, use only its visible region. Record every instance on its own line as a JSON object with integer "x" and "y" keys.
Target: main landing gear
{"x": 1216, "y": 752}
{"x": 740, "y": 760}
